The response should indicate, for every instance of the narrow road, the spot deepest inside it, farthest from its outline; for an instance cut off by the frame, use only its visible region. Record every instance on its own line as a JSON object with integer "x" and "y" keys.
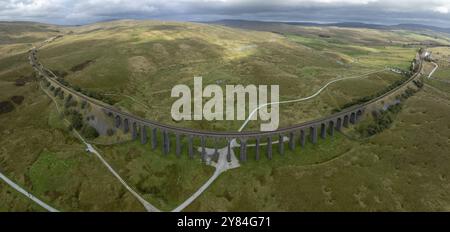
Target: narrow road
{"x": 198, "y": 192}
{"x": 222, "y": 165}
{"x": 436, "y": 66}
{"x": 149, "y": 207}
{"x": 27, "y": 194}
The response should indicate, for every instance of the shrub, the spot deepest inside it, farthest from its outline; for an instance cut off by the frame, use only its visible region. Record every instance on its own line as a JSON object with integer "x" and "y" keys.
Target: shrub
{"x": 61, "y": 95}
{"x": 110, "y": 132}
{"x": 20, "y": 82}
{"x": 89, "y": 132}
{"x": 17, "y": 99}
{"x": 419, "y": 84}
{"x": 69, "y": 98}
{"x": 76, "y": 120}
{"x": 83, "y": 104}
{"x": 71, "y": 103}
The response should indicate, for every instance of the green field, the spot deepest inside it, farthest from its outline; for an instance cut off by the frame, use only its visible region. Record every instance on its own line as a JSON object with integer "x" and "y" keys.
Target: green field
{"x": 138, "y": 62}
{"x": 399, "y": 170}
{"x": 40, "y": 154}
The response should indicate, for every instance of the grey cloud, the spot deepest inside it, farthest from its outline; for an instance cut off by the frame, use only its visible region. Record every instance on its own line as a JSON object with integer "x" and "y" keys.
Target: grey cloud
{"x": 433, "y": 12}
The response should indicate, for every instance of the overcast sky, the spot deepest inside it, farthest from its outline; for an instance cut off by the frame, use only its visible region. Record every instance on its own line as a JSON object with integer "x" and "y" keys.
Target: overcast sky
{"x": 431, "y": 12}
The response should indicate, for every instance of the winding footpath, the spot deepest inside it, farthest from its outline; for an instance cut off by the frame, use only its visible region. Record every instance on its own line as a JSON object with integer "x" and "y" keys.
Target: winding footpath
{"x": 149, "y": 207}
{"x": 221, "y": 166}
{"x": 306, "y": 98}
{"x": 436, "y": 66}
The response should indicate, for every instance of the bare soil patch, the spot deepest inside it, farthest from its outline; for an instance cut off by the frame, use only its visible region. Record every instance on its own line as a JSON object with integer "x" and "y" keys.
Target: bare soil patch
{"x": 17, "y": 99}
{"x": 6, "y": 107}
{"x": 80, "y": 67}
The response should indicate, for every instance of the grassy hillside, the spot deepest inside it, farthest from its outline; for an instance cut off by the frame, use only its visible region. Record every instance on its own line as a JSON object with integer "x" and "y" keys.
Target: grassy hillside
{"x": 41, "y": 155}
{"x": 402, "y": 169}
{"x": 17, "y": 37}
{"x": 138, "y": 62}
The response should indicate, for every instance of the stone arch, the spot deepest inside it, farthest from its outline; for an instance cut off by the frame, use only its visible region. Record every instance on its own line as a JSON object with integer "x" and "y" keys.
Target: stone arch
{"x": 118, "y": 121}
{"x": 126, "y": 125}
{"x": 338, "y": 123}
{"x": 346, "y": 119}
{"x": 281, "y": 144}
{"x": 134, "y": 130}
{"x": 331, "y": 126}
{"x": 359, "y": 114}
{"x": 302, "y": 137}
{"x": 313, "y": 134}
{"x": 353, "y": 118}
{"x": 323, "y": 130}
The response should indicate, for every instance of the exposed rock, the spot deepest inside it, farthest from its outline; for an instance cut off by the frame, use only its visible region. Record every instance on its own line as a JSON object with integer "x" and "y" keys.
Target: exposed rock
{"x": 17, "y": 99}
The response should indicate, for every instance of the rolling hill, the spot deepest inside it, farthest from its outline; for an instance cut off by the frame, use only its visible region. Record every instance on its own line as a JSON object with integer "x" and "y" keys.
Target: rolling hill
{"x": 134, "y": 64}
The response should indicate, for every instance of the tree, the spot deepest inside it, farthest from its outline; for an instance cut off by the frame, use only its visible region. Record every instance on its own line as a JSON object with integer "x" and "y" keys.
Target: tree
{"x": 83, "y": 104}
{"x": 61, "y": 94}
{"x": 76, "y": 120}
{"x": 110, "y": 132}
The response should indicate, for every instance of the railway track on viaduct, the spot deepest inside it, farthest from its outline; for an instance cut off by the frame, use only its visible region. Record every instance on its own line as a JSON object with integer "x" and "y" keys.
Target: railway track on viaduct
{"x": 297, "y": 134}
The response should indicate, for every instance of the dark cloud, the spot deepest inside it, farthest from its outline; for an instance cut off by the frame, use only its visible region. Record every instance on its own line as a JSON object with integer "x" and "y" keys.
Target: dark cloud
{"x": 431, "y": 12}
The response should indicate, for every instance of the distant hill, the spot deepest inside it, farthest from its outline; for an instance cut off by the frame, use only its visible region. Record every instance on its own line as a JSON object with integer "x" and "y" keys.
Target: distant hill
{"x": 413, "y": 27}
{"x": 25, "y": 32}
{"x": 22, "y": 26}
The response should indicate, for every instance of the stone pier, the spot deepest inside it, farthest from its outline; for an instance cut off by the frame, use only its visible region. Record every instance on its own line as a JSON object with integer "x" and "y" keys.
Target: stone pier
{"x": 323, "y": 131}
{"x": 292, "y": 141}
{"x": 339, "y": 124}
{"x": 126, "y": 127}
{"x": 229, "y": 150}
{"x": 166, "y": 143}
{"x": 203, "y": 144}
{"x": 154, "y": 138}
{"x": 134, "y": 131}
{"x": 302, "y": 138}
{"x": 143, "y": 134}
{"x": 178, "y": 145}
{"x": 313, "y": 134}
{"x": 345, "y": 121}
{"x": 257, "y": 148}
{"x": 243, "y": 154}
{"x": 281, "y": 144}
{"x": 331, "y": 128}
{"x": 269, "y": 147}
{"x": 191, "y": 146}
{"x": 118, "y": 121}
{"x": 353, "y": 118}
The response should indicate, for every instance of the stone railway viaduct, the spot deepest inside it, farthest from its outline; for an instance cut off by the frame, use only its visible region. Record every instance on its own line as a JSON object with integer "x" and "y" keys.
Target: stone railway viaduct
{"x": 297, "y": 134}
